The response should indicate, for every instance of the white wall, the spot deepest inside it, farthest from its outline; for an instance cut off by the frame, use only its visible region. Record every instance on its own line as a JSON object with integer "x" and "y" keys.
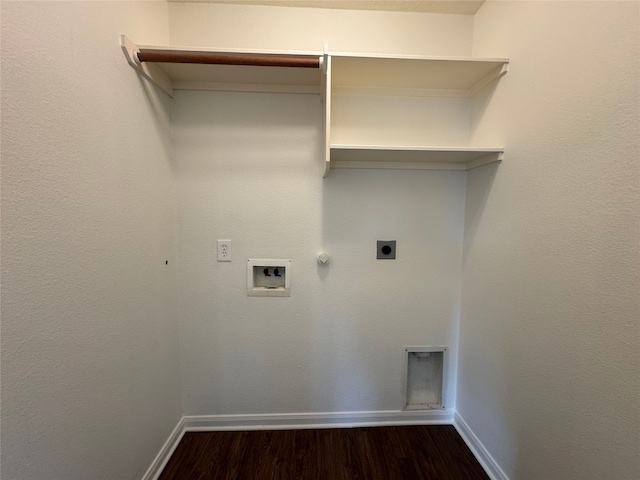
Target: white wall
{"x": 249, "y": 169}
{"x": 549, "y": 359}
{"x": 90, "y": 375}
{"x": 281, "y": 28}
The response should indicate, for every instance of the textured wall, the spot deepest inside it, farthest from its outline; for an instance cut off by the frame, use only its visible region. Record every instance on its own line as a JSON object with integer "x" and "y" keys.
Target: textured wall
{"x": 549, "y": 339}
{"x": 90, "y": 385}
{"x": 549, "y": 357}
{"x": 249, "y": 170}
{"x": 278, "y": 28}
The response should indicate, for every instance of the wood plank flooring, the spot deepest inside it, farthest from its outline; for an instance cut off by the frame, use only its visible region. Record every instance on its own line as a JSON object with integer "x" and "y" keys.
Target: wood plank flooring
{"x": 434, "y": 452}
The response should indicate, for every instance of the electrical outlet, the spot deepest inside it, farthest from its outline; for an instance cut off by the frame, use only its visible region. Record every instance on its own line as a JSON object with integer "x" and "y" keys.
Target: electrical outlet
{"x": 224, "y": 250}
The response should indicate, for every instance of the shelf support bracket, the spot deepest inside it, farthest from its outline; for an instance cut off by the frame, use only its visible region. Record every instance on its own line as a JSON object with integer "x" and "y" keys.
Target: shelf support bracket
{"x": 494, "y": 75}
{"x": 495, "y": 157}
{"x": 149, "y": 71}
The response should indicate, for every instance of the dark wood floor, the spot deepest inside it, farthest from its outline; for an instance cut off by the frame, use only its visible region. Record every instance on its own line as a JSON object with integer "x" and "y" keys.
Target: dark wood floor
{"x": 384, "y": 453}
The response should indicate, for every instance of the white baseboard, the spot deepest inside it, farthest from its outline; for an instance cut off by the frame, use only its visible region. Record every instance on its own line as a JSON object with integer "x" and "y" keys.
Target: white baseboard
{"x": 478, "y": 449}
{"x": 287, "y": 421}
{"x": 158, "y": 464}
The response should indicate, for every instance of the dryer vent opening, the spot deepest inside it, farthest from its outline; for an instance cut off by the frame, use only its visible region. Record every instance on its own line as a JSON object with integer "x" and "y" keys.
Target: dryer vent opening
{"x": 424, "y": 377}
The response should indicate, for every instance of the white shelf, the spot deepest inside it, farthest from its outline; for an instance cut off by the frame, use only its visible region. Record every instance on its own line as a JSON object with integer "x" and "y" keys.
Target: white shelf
{"x": 412, "y": 157}
{"x": 173, "y": 68}
{"x": 241, "y": 78}
{"x": 415, "y": 76}
{"x": 381, "y": 76}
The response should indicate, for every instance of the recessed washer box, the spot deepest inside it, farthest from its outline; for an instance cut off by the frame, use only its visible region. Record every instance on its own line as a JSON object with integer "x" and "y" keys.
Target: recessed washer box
{"x": 268, "y": 277}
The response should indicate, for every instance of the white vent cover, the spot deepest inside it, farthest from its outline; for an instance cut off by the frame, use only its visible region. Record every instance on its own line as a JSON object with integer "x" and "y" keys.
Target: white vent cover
{"x": 424, "y": 377}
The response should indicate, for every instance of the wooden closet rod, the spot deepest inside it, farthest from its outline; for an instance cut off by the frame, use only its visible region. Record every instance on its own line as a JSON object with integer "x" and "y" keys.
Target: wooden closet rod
{"x": 221, "y": 59}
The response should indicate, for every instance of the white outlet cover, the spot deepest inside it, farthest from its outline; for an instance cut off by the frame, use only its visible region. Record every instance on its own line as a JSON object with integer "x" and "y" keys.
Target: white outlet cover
{"x": 224, "y": 250}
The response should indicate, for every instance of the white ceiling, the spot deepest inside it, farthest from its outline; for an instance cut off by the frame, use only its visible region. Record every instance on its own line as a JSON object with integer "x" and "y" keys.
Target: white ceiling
{"x": 460, "y": 7}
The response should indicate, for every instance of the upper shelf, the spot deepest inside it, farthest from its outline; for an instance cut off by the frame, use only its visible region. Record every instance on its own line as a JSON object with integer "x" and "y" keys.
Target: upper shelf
{"x": 209, "y": 69}
{"x": 414, "y": 75}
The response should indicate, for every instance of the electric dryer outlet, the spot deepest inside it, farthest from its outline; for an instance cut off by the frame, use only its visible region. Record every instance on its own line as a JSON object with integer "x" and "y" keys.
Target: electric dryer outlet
{"x": 386, "y": 250}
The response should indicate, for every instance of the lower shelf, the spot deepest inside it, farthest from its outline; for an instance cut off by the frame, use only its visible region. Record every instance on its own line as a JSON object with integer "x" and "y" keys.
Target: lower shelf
{"x": 398, "y": 157}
